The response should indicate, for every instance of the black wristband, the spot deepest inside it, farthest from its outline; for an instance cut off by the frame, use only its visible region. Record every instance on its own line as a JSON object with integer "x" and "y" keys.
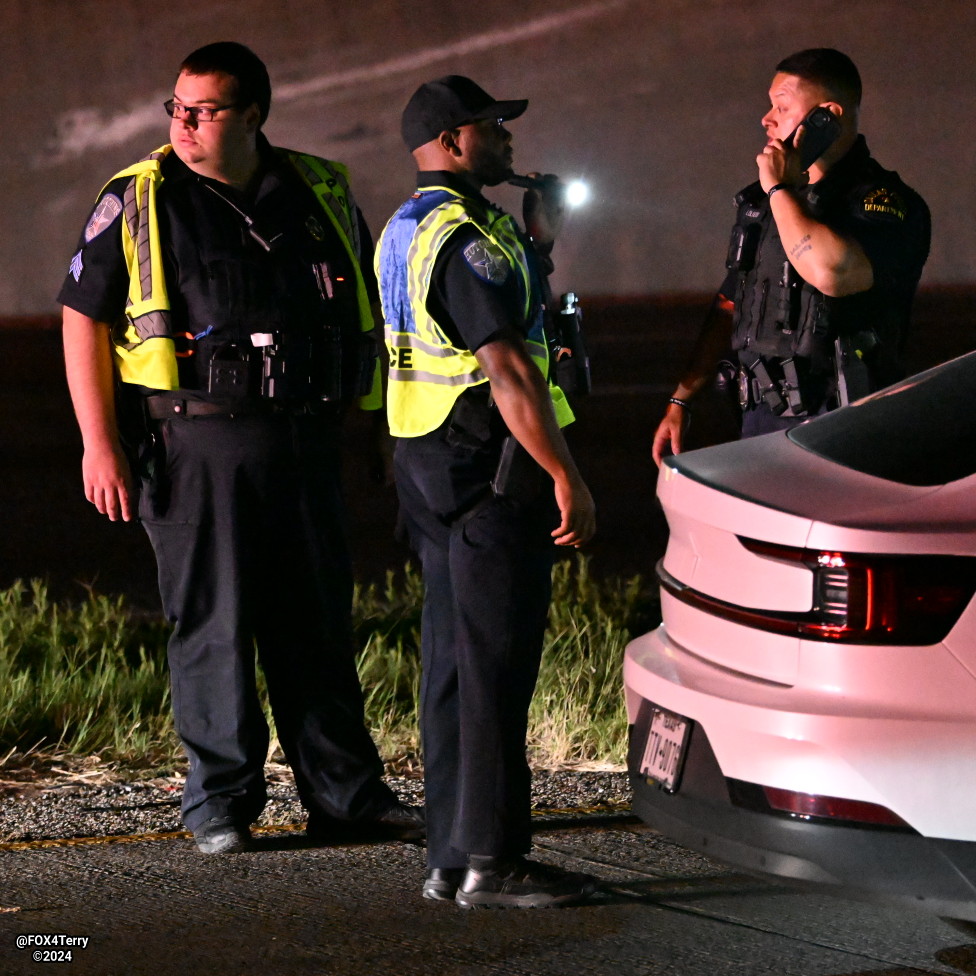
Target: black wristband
{"x": 778, "y": 186}
{"x": 684, "y": 404}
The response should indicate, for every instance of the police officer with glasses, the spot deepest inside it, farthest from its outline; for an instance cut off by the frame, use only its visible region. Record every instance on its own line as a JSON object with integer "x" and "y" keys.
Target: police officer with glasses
{"x": 217, "y": 326}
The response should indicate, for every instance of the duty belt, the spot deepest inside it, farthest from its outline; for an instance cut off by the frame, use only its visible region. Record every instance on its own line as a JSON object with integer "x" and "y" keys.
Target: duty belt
{"x": 169, "y": 408}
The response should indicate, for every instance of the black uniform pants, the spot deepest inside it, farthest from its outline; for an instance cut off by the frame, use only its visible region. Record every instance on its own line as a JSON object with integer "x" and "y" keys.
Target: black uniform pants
{"x": 245, "y": 518}
{"x": 487, "y": 586}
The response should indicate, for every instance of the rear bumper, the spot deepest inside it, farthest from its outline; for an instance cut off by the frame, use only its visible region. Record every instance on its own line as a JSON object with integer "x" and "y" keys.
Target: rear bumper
{"x": 938, "y": 876}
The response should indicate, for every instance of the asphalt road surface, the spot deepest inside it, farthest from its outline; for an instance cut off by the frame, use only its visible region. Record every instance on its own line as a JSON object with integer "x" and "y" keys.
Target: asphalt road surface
{"x": 153, "y": 907}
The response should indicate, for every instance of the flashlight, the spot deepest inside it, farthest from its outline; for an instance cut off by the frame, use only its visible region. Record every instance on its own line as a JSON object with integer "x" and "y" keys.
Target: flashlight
{"x": 576, "y": 192}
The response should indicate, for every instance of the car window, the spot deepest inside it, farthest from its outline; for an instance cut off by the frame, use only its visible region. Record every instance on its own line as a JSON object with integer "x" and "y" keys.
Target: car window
{"x": 921, "y": 431}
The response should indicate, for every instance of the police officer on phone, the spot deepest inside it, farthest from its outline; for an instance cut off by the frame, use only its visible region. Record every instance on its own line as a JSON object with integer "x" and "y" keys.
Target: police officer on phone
{"x": 485, "y": 480}
{"x": 823, "y": 264}
{"x": 216, "y": 325}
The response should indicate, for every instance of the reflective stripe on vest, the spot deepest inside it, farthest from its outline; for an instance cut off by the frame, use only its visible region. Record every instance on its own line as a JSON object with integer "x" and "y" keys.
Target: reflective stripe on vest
{"x": 144, "y": 353}
{"x": 427, "y": 372}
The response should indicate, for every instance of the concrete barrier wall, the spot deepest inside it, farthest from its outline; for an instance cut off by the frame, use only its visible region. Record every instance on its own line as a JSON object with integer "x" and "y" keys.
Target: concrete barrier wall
{"x": 656, "y": 102}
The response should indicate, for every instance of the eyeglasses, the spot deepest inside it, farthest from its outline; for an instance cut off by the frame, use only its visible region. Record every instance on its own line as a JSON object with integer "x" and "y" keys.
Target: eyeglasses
{"x": 196, "y": 113}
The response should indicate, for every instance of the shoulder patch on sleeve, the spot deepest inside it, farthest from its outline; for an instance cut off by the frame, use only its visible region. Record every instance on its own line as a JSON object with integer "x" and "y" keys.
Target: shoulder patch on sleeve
{"x": 883, "y": 202}
{"x": 487, "y": 261}
{"x": 108, "y": 209}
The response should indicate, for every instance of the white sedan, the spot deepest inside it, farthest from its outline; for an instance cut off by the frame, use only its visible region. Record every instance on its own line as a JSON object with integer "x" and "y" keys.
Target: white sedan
{"x": 807, "y": 708}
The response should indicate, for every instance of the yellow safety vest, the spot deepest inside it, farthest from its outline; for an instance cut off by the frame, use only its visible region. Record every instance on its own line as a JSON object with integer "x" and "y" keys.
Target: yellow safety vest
{"x": 427, "y": 372}
{"x": 145, "y": 354}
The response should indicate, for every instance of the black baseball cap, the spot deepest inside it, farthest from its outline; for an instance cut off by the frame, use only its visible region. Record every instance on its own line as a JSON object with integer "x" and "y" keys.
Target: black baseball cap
{"x": 448, "y": 102}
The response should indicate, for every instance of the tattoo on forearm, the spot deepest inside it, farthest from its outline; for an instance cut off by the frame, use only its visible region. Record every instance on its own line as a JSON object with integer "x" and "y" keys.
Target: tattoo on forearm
{"x": 801, "y": 247}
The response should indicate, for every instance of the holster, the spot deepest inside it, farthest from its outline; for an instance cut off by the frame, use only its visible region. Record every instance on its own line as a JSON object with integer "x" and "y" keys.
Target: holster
{"x": 851, "y": 364}
{"x": 518, "y": 477}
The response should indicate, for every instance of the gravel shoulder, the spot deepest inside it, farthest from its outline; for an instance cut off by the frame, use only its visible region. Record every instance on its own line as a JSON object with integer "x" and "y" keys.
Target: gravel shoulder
{"x": 53, "y": 809}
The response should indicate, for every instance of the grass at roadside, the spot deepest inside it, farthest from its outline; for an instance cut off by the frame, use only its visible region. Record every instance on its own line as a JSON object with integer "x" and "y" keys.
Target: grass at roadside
{"x": 90, "y": 679}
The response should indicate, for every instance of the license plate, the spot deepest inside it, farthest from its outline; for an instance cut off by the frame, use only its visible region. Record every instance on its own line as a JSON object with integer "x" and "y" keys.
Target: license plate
{"x": 665, "y": 749}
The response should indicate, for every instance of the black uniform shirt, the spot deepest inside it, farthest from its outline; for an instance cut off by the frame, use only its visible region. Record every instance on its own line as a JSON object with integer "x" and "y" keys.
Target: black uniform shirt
{"x": 857, "y": 198}
{"x": 860, "y": 199}
{"x": 891, "y": 222}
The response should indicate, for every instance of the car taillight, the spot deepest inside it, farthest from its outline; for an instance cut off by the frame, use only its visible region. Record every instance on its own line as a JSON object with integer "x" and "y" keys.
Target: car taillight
{"x": 858, "y": 598}
{"x": 810, "y": 806}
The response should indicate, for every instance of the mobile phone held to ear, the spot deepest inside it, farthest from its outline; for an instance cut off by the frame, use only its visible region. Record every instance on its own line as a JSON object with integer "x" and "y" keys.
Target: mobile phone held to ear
{"x": 820, "y": 131}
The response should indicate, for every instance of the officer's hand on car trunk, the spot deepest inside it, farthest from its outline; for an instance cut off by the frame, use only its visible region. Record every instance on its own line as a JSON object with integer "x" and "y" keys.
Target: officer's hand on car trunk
{"x": 669, "y": 436}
